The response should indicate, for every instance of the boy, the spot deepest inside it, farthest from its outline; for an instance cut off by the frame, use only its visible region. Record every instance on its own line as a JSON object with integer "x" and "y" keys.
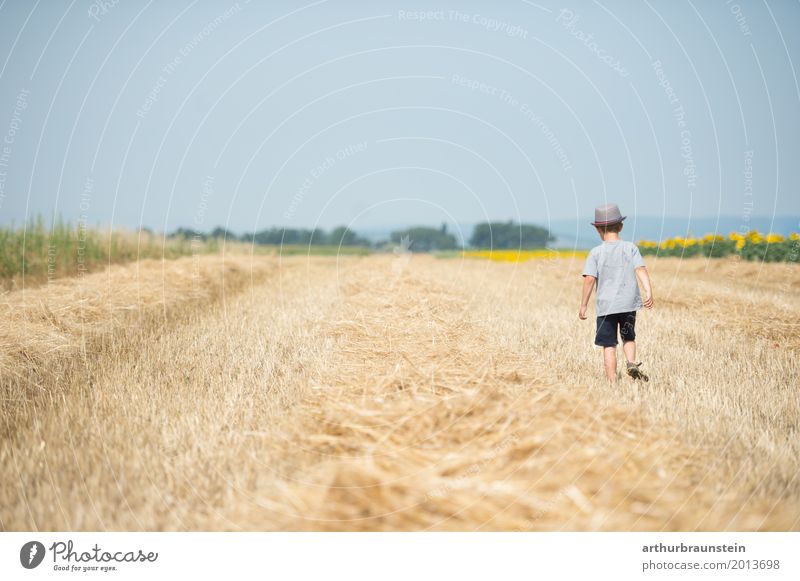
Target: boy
{"x": 615, "y": 266}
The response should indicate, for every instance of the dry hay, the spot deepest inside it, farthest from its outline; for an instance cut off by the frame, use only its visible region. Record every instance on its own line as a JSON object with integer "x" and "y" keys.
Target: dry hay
{"x": 425, "y": 424}
{"x": 48, "y": 330}
{"x": 389, "y": 394}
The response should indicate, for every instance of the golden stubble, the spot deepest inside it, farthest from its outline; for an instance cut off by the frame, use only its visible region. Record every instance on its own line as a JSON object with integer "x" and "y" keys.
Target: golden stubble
{"x": 396, "y": 393}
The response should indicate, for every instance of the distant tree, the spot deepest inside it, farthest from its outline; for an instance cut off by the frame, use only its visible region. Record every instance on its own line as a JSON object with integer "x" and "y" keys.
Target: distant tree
{"x": 269, "y": 236}
{"x": 288, "y": 236}
{"x": 423, "y": 239}
{"x": 189, "y": 234}
{"x": 343, "y": 236}
{"x": 220, "y": 232}
{"x": 509, "y": 235}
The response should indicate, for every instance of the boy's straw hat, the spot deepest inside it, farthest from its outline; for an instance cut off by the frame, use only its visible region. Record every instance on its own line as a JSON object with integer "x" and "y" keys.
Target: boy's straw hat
{"x": 607, "y": 215}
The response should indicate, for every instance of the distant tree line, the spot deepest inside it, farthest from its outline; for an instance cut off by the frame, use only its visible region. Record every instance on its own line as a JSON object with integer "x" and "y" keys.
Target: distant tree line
{"x": 424, "y": 239}
{"x": 509, "y": 235}
{"x": 340, "y": 236}
{"x": 499, "y": 235}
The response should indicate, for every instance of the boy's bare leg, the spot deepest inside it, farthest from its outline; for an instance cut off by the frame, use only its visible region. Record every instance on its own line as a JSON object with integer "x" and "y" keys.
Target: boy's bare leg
{"x": 629, "y": 348}
{"x": 610, "y": 360}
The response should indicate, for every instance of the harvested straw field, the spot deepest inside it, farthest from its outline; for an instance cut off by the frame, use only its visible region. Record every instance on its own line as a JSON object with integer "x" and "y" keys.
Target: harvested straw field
{"x": 396, "y": 392}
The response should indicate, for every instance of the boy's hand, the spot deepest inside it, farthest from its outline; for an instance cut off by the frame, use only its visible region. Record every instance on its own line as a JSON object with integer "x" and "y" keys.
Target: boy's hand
{"x": 588, "y": 285}
{"x": 644, "y": 278}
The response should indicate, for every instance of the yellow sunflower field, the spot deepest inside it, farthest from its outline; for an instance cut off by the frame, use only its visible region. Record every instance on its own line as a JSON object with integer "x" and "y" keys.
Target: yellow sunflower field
{"x": 752, "y": 245}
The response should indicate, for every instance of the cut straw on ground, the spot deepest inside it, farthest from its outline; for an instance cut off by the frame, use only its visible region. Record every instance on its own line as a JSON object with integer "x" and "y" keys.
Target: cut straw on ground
{"x": 392, "y": 393}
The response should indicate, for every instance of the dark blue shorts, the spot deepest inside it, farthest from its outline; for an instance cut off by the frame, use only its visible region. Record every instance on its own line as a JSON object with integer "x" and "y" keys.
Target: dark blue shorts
{"x": 607, "y": 326}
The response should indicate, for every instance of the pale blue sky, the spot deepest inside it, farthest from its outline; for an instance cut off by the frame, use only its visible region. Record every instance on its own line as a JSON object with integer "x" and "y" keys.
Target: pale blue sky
{"x": 172, "y": 114}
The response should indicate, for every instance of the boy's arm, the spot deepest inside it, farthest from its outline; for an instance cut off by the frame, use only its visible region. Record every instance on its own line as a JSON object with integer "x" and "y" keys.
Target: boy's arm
{"x": 644, "y": 279}
{"x": 588, "y": 285}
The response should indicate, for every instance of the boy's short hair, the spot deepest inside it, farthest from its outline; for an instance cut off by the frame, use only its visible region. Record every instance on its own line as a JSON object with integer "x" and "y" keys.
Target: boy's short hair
{"x": 610, "y": 227}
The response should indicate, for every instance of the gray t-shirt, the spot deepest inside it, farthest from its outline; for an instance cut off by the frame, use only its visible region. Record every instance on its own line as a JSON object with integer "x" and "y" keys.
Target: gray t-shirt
{"x": 613, "y": 264}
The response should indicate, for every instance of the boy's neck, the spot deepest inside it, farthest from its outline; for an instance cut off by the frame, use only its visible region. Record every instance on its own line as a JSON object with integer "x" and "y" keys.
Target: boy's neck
{"x": 611, "y": 237}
